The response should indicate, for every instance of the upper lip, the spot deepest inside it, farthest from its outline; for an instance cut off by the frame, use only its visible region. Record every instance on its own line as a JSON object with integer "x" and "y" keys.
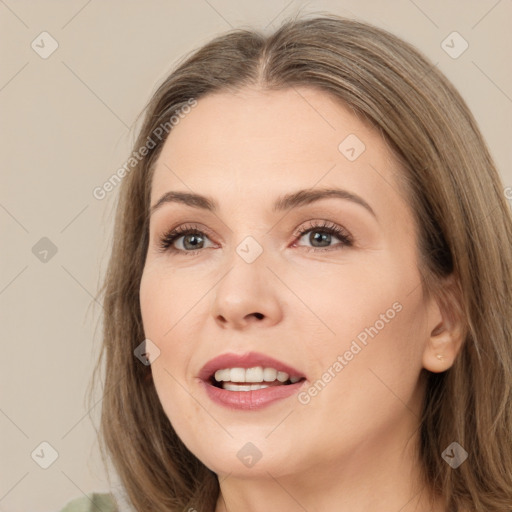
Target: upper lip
{"x": 247, "y": 360}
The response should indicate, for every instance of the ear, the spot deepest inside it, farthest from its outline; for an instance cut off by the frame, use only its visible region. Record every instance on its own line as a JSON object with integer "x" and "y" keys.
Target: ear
{"x": 445, "y": 324}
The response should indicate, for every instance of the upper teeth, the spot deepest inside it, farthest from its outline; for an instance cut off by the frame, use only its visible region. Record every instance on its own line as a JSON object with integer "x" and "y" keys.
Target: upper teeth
{"x": 255, "y": 374}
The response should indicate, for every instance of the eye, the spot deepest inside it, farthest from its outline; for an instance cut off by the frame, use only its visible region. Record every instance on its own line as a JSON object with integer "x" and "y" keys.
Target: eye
{"x": 321, "y": 235}
{"x": 189, "y": 238}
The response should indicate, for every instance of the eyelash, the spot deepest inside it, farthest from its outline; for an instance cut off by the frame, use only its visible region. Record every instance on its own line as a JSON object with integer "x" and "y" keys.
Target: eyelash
{"x": 166, "y": 242}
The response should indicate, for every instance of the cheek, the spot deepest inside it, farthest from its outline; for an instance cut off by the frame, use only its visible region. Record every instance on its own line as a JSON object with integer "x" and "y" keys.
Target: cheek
{"x": 350, "y": 299}
{"x": 150, "y": 295}
{"x": 361, "y": 390}
{"x": 386, "y": 351}
{"x": 375, "y": 317}
{"x": 166, "y": 297}
{"x": 164, "y": 316}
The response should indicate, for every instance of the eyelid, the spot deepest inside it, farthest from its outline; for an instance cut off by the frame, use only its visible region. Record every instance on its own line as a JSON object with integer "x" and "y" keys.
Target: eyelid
{"x": 323, "y": 225}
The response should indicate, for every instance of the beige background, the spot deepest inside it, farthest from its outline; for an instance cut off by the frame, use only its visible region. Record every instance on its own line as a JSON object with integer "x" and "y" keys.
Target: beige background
{"x": 68, "y": 124}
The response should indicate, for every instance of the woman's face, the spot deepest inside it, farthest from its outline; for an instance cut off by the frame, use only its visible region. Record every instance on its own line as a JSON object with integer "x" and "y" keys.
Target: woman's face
{"x": 324, "y": 286}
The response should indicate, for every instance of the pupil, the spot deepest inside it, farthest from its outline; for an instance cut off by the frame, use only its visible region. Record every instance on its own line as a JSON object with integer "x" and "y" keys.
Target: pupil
{"x": 188, "y": 237}
{"x": 324, "y": 237}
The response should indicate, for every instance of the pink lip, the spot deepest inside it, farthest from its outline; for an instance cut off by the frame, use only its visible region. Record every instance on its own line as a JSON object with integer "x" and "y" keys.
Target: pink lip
{"x": 248, "y": 400}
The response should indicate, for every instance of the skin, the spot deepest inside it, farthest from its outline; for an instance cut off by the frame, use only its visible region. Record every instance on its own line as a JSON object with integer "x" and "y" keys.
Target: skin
{"x": 352, "y": 447}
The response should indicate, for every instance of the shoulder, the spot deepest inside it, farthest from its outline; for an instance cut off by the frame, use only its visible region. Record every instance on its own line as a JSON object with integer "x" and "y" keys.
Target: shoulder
{"x": 94, "y": 502}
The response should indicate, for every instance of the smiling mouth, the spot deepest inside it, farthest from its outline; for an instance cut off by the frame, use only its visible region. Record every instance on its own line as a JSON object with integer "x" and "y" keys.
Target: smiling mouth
{"x": 251, "y": 379}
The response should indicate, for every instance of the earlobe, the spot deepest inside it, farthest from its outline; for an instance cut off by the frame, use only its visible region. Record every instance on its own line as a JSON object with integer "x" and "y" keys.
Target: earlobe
{"x": 446, "y": 334}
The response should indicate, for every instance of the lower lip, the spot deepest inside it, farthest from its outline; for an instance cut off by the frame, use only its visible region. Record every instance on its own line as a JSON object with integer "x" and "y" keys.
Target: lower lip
{"x": 251, "y": 400}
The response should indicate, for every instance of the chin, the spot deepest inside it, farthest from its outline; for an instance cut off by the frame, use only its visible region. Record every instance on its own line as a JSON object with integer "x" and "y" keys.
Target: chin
{"x": 247, "y": 458}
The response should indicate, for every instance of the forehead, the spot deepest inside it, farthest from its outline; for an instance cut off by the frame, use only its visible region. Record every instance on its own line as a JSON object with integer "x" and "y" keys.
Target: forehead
{"x": 256, "y": 140}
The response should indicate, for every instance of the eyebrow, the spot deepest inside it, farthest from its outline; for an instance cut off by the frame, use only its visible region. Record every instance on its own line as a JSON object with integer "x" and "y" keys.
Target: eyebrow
{"x": 283, "y": 203}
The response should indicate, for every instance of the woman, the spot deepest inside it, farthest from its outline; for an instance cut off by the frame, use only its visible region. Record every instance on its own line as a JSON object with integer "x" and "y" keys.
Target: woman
{"x": 308, "y": 305}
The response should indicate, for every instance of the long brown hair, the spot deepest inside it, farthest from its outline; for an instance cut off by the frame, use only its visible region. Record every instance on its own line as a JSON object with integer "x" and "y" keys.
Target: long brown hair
{"x": 464, "y": 230}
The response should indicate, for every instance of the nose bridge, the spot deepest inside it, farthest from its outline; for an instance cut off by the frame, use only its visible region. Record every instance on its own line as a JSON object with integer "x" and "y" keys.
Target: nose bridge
{"x": 250, "y": 249}
{"x": 247, "y": 276}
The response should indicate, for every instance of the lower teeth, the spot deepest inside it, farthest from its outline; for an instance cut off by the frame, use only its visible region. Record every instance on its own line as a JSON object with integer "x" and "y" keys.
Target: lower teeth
{"x": 241, "y": 387}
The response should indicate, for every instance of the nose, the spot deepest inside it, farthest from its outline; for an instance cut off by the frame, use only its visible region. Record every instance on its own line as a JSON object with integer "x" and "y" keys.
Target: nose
{"x": 248, "y": 294}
